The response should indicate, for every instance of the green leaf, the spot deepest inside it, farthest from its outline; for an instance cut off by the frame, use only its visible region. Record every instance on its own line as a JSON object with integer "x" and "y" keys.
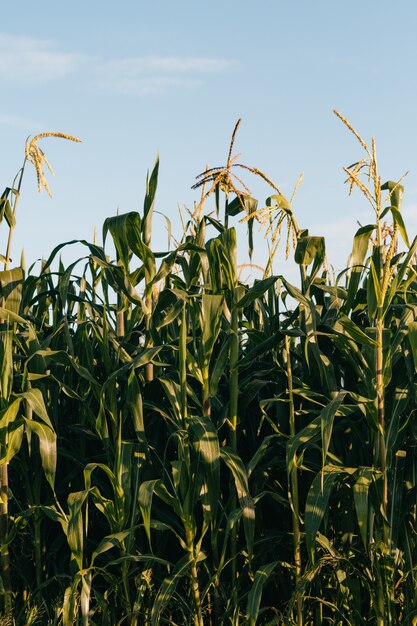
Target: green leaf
{"x": 396, "y": 193}
{"x": 279, "y": 201}
{"x": 398, "y": 220}
{"x": 11, "y": 288}
{"x": 400, "y": 398}
{"x": 310, "y": 249}
{"x": 397, "y": 495}
{"x": 36, "y": 402}
{"x": 316, "y": 506}
{"x": 62, "y": 357}
{"x": 323, "y": 424}
{"x": 14, "y": 442}
{"x": 243, "y": 202}
{"x": 374, "y": 281}
{"x": 240, "y": 476}
{"x": 397, "y": 283}
{"x": 255, "y": 593}
{"x": 173, "y": 393}
{"x": 75, "y": 536}
{"x": 8, "y": 316}
{"x": 219, "y": 367}
{"x": 259, "y": 453}
{"x": 109, "y": 542}
{"x": 149, "y": 202}
{"x": 86, "y": 580}
{"x": 306, "y": 436}
{"x": 135, "y": 404}
{"x": 6, "y": 210}
{"x": 167, "y": 589}
{"x": 258, "y": 290}
{"x": 146, "y": 491}
{"x": 69, "y": 606}
{"x": 327, "y": 418}
{"x": 228, "y": 252}
{"x": 118, "y": 226}
{"x": 206, "y": 443}
{"x": 353, "y": 331}
{"x": 412, "y": 336}
{"x": 141, "y": 247}
{"x": 361, "y": 500}
{"x": 47, "y": 447}
{"x": 211, "y": 314}
{"x": 126, "y": 230}
{"x": 357, "y": 259}
{"x": 6, "y": 364}
{"x": 171, "y": 315}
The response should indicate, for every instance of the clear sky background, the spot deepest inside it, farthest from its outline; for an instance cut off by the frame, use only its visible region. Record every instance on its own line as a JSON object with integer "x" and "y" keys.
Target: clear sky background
{"x": 135, "y": 78}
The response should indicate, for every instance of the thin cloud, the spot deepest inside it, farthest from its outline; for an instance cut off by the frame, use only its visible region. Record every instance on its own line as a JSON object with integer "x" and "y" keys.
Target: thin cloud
{"x": 15, "y": 121}
{"x": 28, "y": 61}
{"x": 153, "y": 74}
{"x": 136, "y": 66}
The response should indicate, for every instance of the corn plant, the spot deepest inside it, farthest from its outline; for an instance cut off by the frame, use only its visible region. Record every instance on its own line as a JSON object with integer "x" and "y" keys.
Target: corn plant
{"x": 183, "y": 446}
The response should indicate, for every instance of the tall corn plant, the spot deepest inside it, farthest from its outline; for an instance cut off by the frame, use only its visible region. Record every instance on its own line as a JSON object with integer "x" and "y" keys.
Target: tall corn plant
{"x": 389, "y": 277}
{"x": 226, "y": 453}
{"x": 19, "y": 394}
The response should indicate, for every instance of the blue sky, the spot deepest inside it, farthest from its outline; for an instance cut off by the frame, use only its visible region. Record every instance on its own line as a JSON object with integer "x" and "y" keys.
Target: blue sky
{"x": 135, "y": 78}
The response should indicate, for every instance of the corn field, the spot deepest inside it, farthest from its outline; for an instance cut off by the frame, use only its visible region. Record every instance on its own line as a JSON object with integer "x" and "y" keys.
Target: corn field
{"x": 180, "y": 446}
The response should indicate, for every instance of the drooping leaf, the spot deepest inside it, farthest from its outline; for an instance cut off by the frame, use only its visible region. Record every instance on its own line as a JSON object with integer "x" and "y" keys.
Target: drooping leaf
{"x": 75, "y": 535}
{"x": 316, "y": 506}
{"x": 219, "y": 366}
{"x": 6, "y": 210}
{"x": 361, "y": 500}
{"x": 11, "y": 289}
{"x": 310, "y": 249}
{"x": 398, "y": 220}
{"x": 258, "y": 290}
{"x": 118, "y": 226}
{"x": 167, "y": 589}
{"x": 36, "y": 402}
{"x": 245, "y": 203}
{"x": 255, "y": 593}
{"x": 211, "y": 312}
{"x": 206, "y": 443}
{"x": 146, "y": 491}
{"x": 47, "y": 447}
{"x": 412, "y": 336}
{"x": 357, "y": 259}
{"x": 240, "y": 476}
{"x": 327, "y": 416}
{"x": 6, "y": 364}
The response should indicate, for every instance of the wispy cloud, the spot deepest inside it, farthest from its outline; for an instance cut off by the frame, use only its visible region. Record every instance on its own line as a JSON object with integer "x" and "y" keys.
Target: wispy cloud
{"x": 16, "y": 121}
{"x": 28, "y": 61}
{"x": 150, "y": 74}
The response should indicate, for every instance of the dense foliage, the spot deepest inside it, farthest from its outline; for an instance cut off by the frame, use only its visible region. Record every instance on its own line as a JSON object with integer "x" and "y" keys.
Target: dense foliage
{"x": 180, "y": 447}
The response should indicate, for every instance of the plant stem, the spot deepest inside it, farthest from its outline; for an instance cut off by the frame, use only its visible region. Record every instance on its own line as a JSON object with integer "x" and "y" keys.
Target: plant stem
{"x": 293, "y": 490}
{"x": 233, "y": 417}
{"x": 15, "y": 203}
{"x": 197, "y": 617}
{"x": 4, "y": 470}
{"x": 148, "y": 341}
{"x": 381, "y": 418}
{"x": 380, "y": 398}
{"x": 4, "y": 523}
